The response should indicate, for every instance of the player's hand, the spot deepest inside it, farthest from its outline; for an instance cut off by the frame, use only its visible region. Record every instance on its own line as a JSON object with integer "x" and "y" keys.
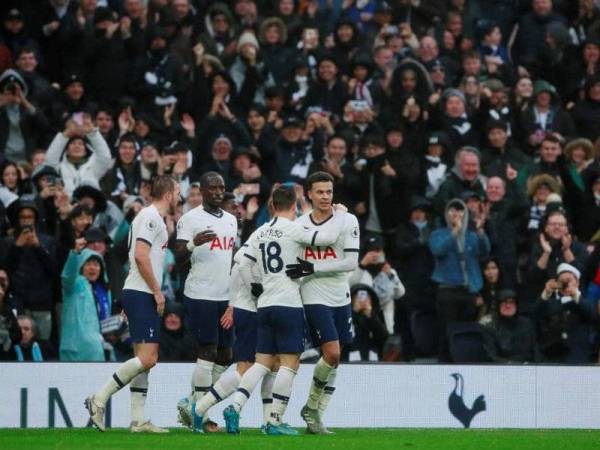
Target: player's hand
{"x": 302, "y": 269}
{"x": 227, "y": 318}
{"x": 160, "y": 303}
{"x": 256, "y": 289}
{"x": 204, "y": 237}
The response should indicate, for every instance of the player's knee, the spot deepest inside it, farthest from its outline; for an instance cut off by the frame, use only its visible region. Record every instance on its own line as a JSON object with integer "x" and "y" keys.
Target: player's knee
{"x": 148, "y": 360}
{"x": 208, "y": 353}
{"x": 332, "y": 357}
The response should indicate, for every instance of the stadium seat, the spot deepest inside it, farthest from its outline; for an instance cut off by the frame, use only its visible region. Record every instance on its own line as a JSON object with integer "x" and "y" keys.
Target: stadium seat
{"x": 466, "y": 343}
{"x": 424, "y": 328}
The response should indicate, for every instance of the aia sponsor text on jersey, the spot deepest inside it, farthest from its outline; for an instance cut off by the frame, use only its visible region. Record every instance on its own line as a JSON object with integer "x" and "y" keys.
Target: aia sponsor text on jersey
{"x": 319, "y": 253}
{"x": 222, "y": 243}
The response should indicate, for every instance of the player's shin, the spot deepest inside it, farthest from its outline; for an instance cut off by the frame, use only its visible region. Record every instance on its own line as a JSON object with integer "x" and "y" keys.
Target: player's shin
{"x": 327, "y": 393}
{"x": 139, "y": 392}
{"x": 247, "y": 384}
{"x": 122, "y": 377}
{"x": 282, "y": 388}
{"x": 222, "y": 389}
{"x": 266, "y": 393}
{"x": 321, "y": 376}
{"x": 202, "y": 378}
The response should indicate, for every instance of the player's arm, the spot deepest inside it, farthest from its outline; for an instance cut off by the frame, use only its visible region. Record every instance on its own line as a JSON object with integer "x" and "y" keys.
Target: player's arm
{"x": 144, "y": 264}
{"x": 351, "y": 236}
{"x": 186, "y": 242}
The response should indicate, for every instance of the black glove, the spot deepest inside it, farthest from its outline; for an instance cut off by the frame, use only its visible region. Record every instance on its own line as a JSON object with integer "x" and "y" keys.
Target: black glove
{"x": 256, "y": 289}
{"x": 302, "y": 269}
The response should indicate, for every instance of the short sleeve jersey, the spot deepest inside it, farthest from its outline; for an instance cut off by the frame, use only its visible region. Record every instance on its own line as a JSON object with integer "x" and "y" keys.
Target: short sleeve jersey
{"x": 210, "y": 273}
{"x": 271, "y": 247}
{"x": 149, "y": 227}
{"x": 329, "y": 289}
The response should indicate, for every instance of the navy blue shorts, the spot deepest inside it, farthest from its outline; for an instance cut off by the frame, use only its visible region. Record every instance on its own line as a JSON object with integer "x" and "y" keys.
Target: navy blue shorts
{"x": 203, "y": 321}
{"x": 280, "y": 330}
{"x": 244, "y": 347}
{"x": 143, "y": 319}
{"x": 329, "y": 323}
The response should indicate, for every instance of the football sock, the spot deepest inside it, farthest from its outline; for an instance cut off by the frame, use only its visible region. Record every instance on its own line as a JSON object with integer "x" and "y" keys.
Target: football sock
{"x": 222, "y": 389}
{"x": 282, "y": 388}
{"x": 319, "y": 381}
{"x": 266, "y": 393}
{"x": 124, "y": 374}
{"x": 247, "y": 384}
{"x": 217, "y": 371}
{"x": 202, "y": 378}
{"x": 139, "y": 392}
{"x": 327, "y": 393}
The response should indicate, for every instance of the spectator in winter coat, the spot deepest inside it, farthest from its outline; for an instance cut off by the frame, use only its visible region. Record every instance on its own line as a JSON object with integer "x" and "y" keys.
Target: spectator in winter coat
{"x": 511, "y": 338}
{"x": 22, "y": 124}
{"x": 85, "y": 291}
{"x": 457, "y": 251}
{"x": 586, "y": 114}
{"x": 70, "y": 156}
{"x": 175, "y": 344}
{"x": 566, "y": 319}
{"x": 10, "y": 333}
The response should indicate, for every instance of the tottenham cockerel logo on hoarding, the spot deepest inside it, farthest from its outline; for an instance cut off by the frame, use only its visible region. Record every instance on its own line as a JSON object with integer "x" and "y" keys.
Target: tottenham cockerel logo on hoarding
{"x": 457, "y": 406}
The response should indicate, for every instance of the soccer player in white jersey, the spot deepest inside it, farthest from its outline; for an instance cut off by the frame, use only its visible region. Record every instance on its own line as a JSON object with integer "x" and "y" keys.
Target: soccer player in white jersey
{"x": 242, "y": 313}
{"x": 280, "y": 316}
{"x": 326, "y": 297}
{"x": 143, "y": 303}
{"x": 206, "y": 237}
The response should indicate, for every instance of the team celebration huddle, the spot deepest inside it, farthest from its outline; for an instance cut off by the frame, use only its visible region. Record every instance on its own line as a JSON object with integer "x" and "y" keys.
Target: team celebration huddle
{"x": 251, "y": 306}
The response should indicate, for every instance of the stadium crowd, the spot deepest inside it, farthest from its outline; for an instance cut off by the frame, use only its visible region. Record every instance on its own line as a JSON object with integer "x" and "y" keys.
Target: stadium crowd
{"x": 463, "y": 134}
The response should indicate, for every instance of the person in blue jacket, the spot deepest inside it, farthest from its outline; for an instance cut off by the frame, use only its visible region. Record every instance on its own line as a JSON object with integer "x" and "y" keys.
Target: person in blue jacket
{"x": 457, "y": 251}
{"x": 86, "y": 298}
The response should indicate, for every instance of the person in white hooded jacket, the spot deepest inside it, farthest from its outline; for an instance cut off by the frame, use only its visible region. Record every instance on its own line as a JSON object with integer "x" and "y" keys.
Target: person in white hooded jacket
{"x": 69, "y": 154}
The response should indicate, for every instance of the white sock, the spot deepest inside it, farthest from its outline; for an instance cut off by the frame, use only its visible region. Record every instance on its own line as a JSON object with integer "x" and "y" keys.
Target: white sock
{"x": 222, "y": 389}
{"x": 201, "y": 378}
{"x": 139, "y": 392}
{"x": 266, "y": 393}
{"x": 124, "y": 374}
{"x": 320, "y": 378}
{"x": 282, "y": 388}
{"x": 247, "y": 384}
{"x": 327, "y": 393}
{"x": 217, "y": 371}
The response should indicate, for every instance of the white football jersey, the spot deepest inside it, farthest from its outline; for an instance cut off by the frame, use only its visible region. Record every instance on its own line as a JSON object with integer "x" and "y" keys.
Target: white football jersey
{"x": 210, "y": 273}
{"x": 148, "y": 226}
{"x": 240, "y": 289}
{"x": 330, "y": 288}
{"x": 277, "y": 244}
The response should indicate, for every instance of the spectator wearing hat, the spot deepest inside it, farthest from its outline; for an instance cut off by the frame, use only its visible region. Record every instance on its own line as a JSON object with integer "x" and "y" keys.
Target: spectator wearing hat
{"x": 510, "y": 338}
{"x": 70, "y": 156}
{"x": 249, "y": 72}
{"x": 565, "y": 319}
{"x": 433, "y": 168}
{"x": 108, "y": 53}
{"x": 359, "y": 120}
{"x": 539, "y": 189}
{"x": 47, "y": 187}
{"x": 22, "y": 124}
{"x": 582, "y": 67}
{"x": 531, "y": 32}
{"x": 456, "y": 251}
{"x": 500, "y": 158}
{"x": 72, "y": 103}
{"x": 16, "y": 32}
{"x": 587, "y": 111}
{"x": 32, "y": 267}
{"x": 465, "y": 176}
{"x": 410, "y": 80}
{"x": 545, "y": 116}
{"x": 219, "y": 36}
{"x": 580, "y": 153}
{"x": 328, "y": 92}
{"x": 381, "y": 208}
{"x": 175, "y": 344}
{"x": 85, "y": 295}
{"x": 276, "y": 55}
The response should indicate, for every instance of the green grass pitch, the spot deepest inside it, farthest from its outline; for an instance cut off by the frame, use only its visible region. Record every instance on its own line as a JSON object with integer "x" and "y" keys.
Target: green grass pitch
{"x": 344, "y": 439}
